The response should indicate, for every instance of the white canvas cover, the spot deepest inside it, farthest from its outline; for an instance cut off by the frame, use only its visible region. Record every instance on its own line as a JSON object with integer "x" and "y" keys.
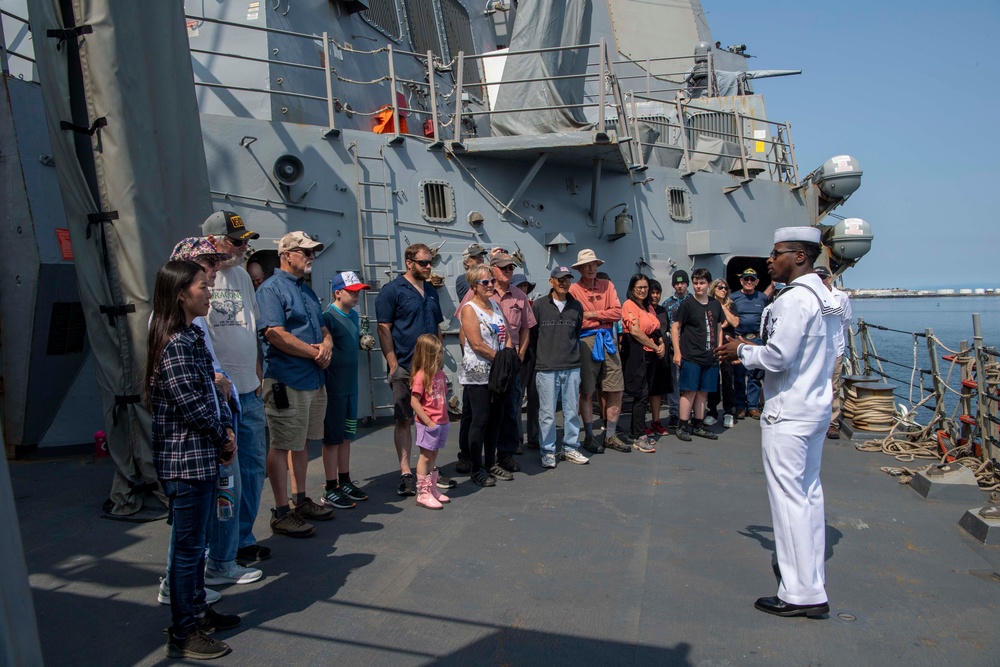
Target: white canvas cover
{"x": 542, "y": 25}
{"x": 148, "y": 166}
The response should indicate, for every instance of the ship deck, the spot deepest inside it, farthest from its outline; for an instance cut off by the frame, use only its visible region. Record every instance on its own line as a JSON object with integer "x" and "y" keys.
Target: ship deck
{"x": 633, "y": 560}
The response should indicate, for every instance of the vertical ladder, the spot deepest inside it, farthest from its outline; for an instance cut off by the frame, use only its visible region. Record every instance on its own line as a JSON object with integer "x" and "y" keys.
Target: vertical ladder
{"x": 374, "y": 195}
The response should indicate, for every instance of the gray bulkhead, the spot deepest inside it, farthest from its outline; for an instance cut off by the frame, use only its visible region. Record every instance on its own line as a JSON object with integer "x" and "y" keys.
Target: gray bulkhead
{"x": 246, "y": 131}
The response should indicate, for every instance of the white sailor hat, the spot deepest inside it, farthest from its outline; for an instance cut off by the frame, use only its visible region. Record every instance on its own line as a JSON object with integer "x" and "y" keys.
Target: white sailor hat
{"x": 803, "y": 234}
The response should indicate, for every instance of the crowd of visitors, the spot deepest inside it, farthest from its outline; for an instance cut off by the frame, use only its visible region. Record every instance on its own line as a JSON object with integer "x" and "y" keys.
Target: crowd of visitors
{"x": 243, "y": 370}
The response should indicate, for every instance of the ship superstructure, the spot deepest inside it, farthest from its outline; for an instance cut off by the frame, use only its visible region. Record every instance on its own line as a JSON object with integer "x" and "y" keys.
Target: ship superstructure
{"x": 542, "y": 128}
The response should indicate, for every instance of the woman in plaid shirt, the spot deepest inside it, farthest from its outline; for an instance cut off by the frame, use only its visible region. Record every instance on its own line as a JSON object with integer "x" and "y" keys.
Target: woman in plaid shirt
{"x": 191, "y": 436}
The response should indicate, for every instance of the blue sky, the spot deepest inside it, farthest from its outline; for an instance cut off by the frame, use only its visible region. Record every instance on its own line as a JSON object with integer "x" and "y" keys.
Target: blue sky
{"x": 911, "y": 90}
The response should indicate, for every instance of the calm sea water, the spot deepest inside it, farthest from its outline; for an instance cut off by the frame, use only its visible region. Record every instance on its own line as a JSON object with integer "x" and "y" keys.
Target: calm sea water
{"x": 951, "y": 320}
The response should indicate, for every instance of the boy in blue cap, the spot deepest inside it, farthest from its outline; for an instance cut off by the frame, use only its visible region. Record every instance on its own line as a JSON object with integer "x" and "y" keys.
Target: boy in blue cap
{"x": 341, "y": 421}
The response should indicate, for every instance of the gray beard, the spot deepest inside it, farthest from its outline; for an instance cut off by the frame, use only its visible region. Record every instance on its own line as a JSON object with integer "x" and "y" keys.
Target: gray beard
{"x": 235, "y": 260}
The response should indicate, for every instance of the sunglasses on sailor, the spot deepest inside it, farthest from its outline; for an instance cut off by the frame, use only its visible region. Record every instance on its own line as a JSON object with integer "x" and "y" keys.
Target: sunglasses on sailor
{"x": 774, "y": 254}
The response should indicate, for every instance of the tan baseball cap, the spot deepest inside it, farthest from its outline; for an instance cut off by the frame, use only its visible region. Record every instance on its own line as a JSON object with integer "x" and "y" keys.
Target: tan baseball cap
{"x": 295, "y": 240}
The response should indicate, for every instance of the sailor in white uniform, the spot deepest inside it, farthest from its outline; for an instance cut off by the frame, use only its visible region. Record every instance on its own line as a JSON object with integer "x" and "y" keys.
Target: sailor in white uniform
{"x": 797, "y": 353}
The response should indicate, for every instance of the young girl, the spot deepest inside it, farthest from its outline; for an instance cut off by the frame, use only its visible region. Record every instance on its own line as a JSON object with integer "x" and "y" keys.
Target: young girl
{"x": 191, "y": 436}
{"x": 428, "y": 391}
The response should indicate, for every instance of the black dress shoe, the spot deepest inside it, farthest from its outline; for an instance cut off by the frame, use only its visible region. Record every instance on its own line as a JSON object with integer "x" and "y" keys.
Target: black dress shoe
{"x": 778, "y": 607}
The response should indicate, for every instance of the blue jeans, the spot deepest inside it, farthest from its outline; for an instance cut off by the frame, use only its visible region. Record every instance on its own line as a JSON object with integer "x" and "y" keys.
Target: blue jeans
{"x": 224, "y": 536}
{"x": 252, "y": 443}
{"x": 674, "y": 397}
{"x": 551, "y": 384}
{"x": 191, "y": 505}
{"x": 747, "y": 388}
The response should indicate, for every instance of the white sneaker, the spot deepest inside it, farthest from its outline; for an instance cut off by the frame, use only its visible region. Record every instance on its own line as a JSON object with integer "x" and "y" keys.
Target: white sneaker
{"x": 574, "y": 456}
{"x": 163, "y": 595}
{"x": 728, "y": 422}
{"x": 235, "y": 575}
{"x": 710, "y": 421}
{"x": 548, "y": 460}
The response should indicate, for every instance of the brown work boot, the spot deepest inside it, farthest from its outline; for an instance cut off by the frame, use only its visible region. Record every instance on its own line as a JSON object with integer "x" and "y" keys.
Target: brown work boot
{"x": 754, "y": 414}
{"x": 291, "y": 524}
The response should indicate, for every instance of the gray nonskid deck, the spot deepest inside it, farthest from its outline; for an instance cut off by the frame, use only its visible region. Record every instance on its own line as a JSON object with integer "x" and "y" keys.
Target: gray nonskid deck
{"x": 634, "y": 559}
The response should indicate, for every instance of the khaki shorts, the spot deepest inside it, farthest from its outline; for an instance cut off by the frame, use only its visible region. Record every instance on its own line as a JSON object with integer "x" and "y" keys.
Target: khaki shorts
{"x": 399, "y": 381}
{"x": 302, "y": 420}
{"x": 593, "y": 374}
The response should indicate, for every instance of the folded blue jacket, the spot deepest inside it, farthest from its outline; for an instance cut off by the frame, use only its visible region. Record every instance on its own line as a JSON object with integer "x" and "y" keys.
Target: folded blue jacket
{"x": 604, "y": 342}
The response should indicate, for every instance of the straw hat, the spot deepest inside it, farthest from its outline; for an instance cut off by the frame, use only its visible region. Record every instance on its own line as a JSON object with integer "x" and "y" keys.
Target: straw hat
{"x": 586, "y": 256}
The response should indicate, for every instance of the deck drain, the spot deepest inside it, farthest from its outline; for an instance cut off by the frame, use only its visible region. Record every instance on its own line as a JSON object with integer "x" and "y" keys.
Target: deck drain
{"x": 847, "y": 617}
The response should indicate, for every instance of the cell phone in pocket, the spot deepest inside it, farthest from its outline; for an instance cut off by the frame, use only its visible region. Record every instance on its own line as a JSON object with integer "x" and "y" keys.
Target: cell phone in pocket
{"x": 280, "y": 393}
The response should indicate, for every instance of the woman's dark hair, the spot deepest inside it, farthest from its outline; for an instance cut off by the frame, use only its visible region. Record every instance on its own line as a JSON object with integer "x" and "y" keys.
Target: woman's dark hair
{"x": 631, "y": 285}
{"x": 168, "y": 316}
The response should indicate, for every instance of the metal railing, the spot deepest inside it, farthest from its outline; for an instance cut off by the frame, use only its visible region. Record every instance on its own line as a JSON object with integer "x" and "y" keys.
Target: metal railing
{"x": 456, "y": 109}
{"x": 966, "y": 404}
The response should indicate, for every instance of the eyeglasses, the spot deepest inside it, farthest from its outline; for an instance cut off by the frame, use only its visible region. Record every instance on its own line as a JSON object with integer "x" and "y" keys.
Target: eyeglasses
{"x": 774, "y": 253}
{"x": 505, "y": 269}
{"x": 639, "y": 287}
{"x": 565, "y": 279}
{"x": 237, "y": 243}
{"x": 422, "y": 262}
{"x": 489, "y": 282}
{"x": 720, "y": 287}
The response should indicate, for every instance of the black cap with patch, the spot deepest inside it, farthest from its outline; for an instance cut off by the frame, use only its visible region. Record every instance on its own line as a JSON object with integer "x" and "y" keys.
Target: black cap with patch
{"x": 227, "y": 223}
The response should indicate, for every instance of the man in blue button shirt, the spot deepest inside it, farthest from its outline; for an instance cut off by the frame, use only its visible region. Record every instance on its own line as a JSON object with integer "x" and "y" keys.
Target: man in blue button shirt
{"x": 297, "y": 347}
{"x": 750, "y": 307}
{"x": 407, "y": 308}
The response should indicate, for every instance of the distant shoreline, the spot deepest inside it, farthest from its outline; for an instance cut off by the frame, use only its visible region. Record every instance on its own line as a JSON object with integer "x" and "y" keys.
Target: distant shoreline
{"x": 914, "y": 294}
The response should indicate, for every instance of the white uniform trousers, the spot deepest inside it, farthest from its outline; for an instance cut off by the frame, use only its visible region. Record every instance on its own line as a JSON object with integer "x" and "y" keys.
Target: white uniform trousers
{"x": 792, "y": 453}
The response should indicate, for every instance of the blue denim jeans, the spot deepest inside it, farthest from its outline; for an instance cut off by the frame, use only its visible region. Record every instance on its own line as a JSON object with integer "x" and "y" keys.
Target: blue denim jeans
{"x": 191, "y": 507}
{"x": 550, "y": 385}
{"x": 674, "y": 397}
{"x": 747, "y": 388}
{"x": 252, "y": 444}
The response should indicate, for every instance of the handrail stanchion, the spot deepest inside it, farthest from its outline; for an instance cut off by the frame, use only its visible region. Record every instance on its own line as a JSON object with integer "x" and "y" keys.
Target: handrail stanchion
{"x": 600, "y": 97}
{"x": 743, "y": 149}
{"x": 982, "y": 408}
{"x": 791, "y": 151}
{"x": 638, "y": 136}
{"x": 965, "y": 398}
{"x": 935, "y": 373}
{"x": 332, "y": 130}
{"x": 4, "y": 67}
{"x": 863, "y": 335}
{"x": 711, "y": 74}
{"x": 647, "y": 77}
{"x": 434, "y": 106}
{"x": 684, "y": 139}
{"x": 396, "y": 138}
{"x": 459, "y": 87}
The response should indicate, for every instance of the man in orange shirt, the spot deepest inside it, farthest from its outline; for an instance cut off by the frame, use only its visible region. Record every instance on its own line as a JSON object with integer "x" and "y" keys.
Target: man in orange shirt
{"x": 600, "y": 364}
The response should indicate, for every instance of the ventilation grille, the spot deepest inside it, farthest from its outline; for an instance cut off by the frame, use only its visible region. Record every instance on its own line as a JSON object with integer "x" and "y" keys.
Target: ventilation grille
{"x": 384, "y": 17}
{"x": 67, "y": 328}
{"x": 423, "y": 27}
{"x": 679, "y": 204}
{"x": 437, "y": 201}
{"x": 458, "y": 32}
{"x": 715, "y": 124}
